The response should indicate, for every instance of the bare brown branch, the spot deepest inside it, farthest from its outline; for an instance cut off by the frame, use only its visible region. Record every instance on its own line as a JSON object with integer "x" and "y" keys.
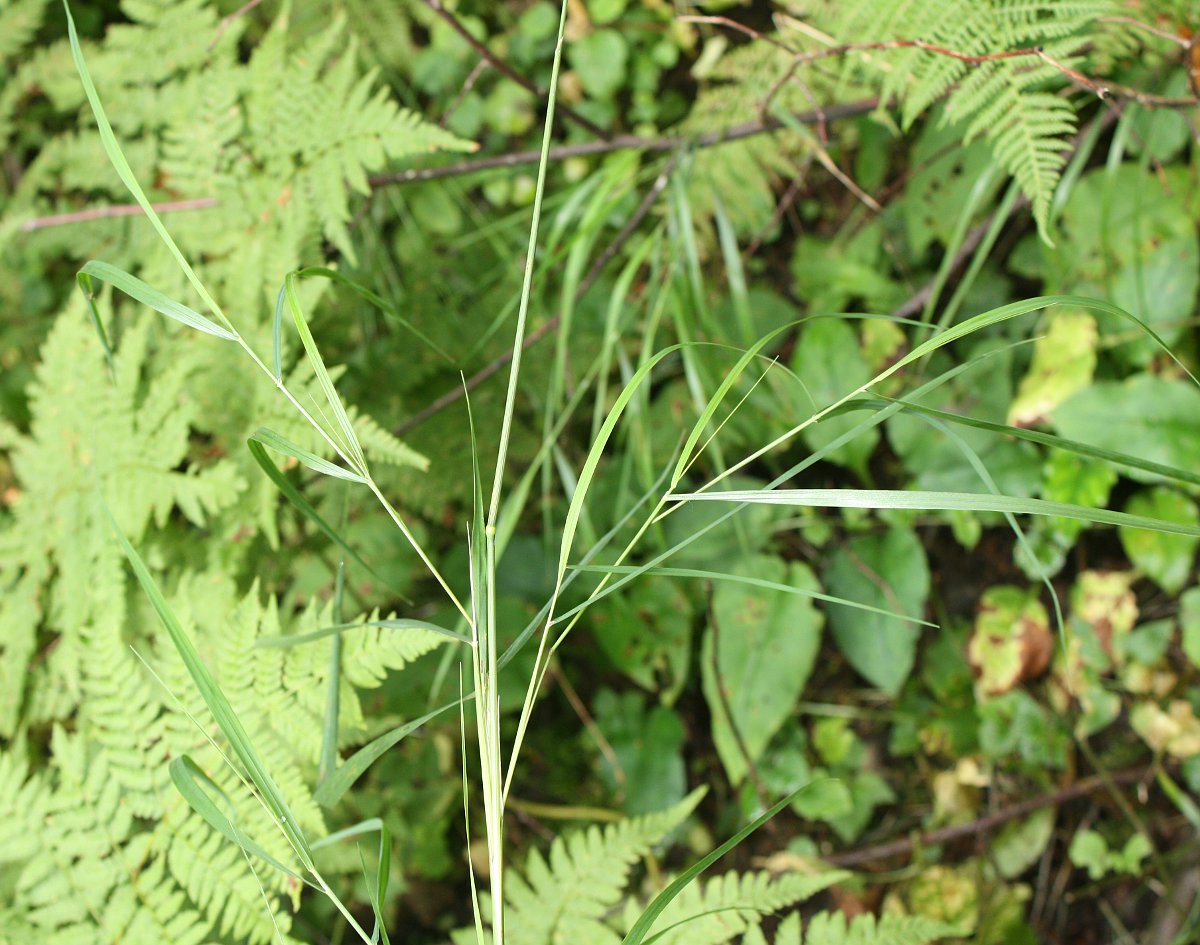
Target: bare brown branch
{"x": 905, "y": 847}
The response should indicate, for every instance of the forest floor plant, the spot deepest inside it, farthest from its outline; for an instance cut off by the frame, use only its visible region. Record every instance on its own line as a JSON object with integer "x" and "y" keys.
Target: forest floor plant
{"x": 491, "y": 526}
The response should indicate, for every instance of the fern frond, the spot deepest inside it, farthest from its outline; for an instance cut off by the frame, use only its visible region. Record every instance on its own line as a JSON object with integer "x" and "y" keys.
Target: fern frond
{"x": 1010, "y": 102}
{"x": 722, "y": 908}
{"x": 19, "y": 20}
{"x": 832, "y": 928}
{"x": 563, "y": 897}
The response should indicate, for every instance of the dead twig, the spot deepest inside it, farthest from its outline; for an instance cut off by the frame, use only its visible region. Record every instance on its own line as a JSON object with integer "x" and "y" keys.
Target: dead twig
{"x": 907, "y": 846}
{"x": 513, "y": 159}
{"x": 1102, "y": 90}
{"x": 227, "y": 21}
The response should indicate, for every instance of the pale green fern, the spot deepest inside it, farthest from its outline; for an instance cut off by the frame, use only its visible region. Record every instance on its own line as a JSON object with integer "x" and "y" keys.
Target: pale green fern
{"x": 281, "y": 143}
{"x": 1013, "y": 102}
{"x": 833, "y": 928}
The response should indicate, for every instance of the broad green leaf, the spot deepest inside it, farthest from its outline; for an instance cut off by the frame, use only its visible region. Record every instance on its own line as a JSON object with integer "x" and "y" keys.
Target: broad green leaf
{"x": 147, "y": 295}
{"x": 1166, "y": 559}
{"x": 1147, "y": 416}
{"x": 1016, "y": 724}
{"x": 1173, "y": 730}
{"x": 1189, "y": 623}
{"x": 599, "y": 60}
{"x": 887, "y": 571}
{"x": 648, "y": 746}
{"x": 647, "y": 634}
{"x": 279, "y": 444}
{"x": 1019, "y": 845}
{"x": 1063, "y": 362}
{"x": 828, "y": 361}
{"x": 1160, "y": 288}
{"x": 1105, "y": 602}
{"x": 759, "y": 649}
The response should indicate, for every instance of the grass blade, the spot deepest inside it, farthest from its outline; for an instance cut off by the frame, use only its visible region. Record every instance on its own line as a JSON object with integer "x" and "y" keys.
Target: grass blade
{"x": 377, "y": 300}
{"x": 751, "y": 581}
{"x": 329, "y": 728}
{"x": 293, "y": 495}
{"x": 188, "y": 778}
{"x": 338, "y": 783}
{"x": 222, "y": 712}
{"x": 135, "y": 288}
{"x": 939, "y": 501}
{"x": 339, "y": 628}
{"x": 377, "y": 890}
{"x": 1044, "y": 439}
{"x": 350, "y": 441}
{"x": 646, "y": 920}
{"x": 272, "y": 440}
{"x": 117, "y": 157}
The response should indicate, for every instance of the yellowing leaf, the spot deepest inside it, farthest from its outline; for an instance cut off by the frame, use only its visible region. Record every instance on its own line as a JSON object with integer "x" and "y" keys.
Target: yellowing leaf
{"x": 1064, "y": 360}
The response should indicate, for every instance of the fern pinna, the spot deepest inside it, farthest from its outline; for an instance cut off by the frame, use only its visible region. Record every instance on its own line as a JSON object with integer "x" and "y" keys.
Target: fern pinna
{"x": 999, "y": 65}
{"x": 96, "y": 844}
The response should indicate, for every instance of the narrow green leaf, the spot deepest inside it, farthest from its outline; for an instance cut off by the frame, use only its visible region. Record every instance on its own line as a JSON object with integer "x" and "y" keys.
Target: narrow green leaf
{"x": 222, "y": 712}
{"x": 1044, "y": 439}
{"x": 329, "y": 728}
{"x": 279, "y": 444}
{"x": 84, "y": 281}
{"x": 187, "y": 775}
{"x": 115, "y": 155}
{"x": 354, "y": 448}
{"x": 376, "y": 890}
{"x": 752, "y": 581}
{"x": 375, "y": 299}
{"x": 277, "y": 337}
{"x": 588, "y": 472}
{"x": 353, "y": 768}
{"x": 148, "y": 295}
{"x": 659, "y": 903}
{"x": 942, "y": 501}
{"x": 294, "y": 496}
{"x": 718, "y": 397}
{"x": 339, "y": 628}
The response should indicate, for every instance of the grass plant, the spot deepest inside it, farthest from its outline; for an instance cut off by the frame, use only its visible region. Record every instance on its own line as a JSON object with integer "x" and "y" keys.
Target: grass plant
{"x": 495, "y": 511}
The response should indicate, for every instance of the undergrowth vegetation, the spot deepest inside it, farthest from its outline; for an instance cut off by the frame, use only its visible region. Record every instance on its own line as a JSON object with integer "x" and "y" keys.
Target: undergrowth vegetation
{"x": 607, "y": 472}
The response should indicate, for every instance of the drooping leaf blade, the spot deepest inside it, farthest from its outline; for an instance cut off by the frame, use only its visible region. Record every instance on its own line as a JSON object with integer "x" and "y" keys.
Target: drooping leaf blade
{"x": 135, "y": 288}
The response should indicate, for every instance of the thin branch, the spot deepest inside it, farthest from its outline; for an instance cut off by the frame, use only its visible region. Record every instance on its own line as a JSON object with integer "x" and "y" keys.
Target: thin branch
{"x": 508, "y": 71}
{"x": 1102, "y": 90}
{"x": 114, "y": 210}
{"x": 709, "y": 139}
{"x": 982, "y": 825}
{"x": 1178, "y": 40}
{"x": 456, "y": 393}
{"x": 227, "y": 21}
{"x": 513, "y": 159}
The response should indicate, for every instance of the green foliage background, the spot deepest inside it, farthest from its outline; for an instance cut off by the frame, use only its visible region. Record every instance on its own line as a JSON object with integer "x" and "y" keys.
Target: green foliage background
{"x": 287, "y": 137}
